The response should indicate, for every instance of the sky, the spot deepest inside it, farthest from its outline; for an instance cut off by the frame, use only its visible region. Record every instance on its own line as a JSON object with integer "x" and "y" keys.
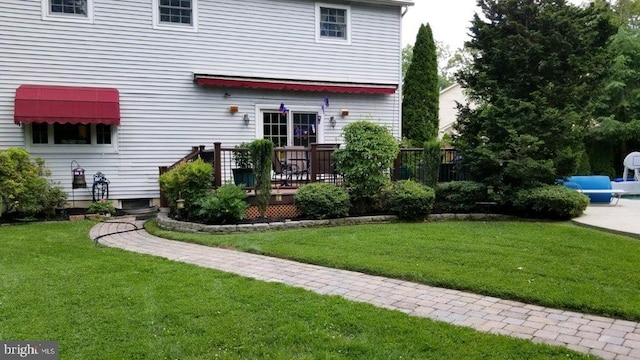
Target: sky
{"x": 449, "y": 20}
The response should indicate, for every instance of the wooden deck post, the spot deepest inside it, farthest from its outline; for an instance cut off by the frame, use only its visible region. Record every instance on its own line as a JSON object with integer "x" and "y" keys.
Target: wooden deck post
{"x": 163, "y": 199}
{"x": 314, "y": 162}
{"x": 217, "y": 164}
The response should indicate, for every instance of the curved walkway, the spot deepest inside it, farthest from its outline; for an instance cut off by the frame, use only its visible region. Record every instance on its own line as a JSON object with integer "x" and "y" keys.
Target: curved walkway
{"x": 601, "y": 336}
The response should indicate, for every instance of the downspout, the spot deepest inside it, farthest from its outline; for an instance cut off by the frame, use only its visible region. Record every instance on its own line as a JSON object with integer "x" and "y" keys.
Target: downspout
{"x": 404, "y": 11}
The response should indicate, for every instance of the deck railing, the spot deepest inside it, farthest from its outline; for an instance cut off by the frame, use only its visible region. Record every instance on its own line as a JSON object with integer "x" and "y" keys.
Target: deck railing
{"x": 293, "y": 167}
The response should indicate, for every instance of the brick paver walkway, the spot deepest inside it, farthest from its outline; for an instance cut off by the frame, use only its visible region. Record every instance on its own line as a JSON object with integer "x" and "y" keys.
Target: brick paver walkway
{"x": 601, "y": 336}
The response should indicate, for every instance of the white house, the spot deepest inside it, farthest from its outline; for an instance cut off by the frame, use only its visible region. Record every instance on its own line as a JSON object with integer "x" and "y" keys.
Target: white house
{"x": 448, "y": 112}
{"x": 123, "y": 87}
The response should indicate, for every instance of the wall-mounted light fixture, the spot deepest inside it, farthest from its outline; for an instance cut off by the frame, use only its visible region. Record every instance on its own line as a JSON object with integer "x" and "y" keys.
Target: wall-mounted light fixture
{"x": 344, "y": 112}
{"x": 233, "y": 109}
{"x": 246, "y": 118}
{"x": 332, "y": 121}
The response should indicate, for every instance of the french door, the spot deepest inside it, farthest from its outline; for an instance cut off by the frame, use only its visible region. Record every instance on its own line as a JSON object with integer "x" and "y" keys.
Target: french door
{"x": 293, "y": 128}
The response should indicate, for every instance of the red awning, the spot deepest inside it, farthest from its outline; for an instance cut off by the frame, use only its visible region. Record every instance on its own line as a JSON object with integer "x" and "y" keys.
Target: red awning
{"x": 66, "y": 104}
{"x": 294, "y": 85}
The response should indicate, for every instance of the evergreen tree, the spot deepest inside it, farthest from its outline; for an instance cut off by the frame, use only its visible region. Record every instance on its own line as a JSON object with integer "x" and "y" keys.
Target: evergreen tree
{"x": 536, "y": 68}
{"x": 617, "y": 129}
{"x": 420, "y": 93}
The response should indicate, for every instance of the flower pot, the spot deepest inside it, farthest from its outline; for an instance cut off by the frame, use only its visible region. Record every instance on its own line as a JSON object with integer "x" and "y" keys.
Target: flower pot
{"x": 244, "y": 176}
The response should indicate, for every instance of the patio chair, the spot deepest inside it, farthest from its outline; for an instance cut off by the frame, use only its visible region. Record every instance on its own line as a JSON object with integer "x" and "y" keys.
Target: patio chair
{"x": 281, "y": 171}
{"x": 297, "y": 161}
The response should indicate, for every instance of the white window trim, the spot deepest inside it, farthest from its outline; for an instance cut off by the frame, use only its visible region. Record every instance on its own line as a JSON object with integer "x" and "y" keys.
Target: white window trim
{"x": 175, "y": 27}
{"x": 321, "y": 39}
{"x": 260, "y": 108}
{"x": 49, "y": 16}
{"x": 51, "y": 148}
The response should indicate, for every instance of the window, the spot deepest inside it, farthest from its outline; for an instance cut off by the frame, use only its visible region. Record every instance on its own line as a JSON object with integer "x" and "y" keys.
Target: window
{"x": 301, "y": 130}
{"x": 68, "y": 10}
{"x": 181, "y": 15}
{"x": 40, "y": 133}
{"x": 72, "y": 136}
{"x": 76, "y": 7}
{"x": 333, "y": 23}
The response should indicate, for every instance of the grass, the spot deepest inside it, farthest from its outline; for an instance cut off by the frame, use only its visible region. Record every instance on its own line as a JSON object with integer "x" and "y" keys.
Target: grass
{"x": 104, "y": 303}
{"x": 558, "y": 265}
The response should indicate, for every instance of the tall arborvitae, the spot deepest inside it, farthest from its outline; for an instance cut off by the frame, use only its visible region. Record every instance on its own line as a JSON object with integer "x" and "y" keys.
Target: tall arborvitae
{"x": 420, "y": 93}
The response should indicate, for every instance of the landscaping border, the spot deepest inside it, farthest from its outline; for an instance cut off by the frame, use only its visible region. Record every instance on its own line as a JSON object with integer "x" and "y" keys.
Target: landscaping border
{"x": 166, "y": 223}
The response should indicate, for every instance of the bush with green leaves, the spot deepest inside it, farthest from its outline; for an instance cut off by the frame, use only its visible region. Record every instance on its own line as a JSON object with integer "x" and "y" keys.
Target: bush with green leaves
{"x": 189, "y": 181}
{"x": 369, "y": 152}
{"x": 460, "y": 196}
{"x": 554, "y": 202}
{"x": 409, "y": 200}
{"x": 24, "y": 187}
{"x": 226, "y": 205}
{"x": 322, "y": 201}
{"x": 102, "y": 207}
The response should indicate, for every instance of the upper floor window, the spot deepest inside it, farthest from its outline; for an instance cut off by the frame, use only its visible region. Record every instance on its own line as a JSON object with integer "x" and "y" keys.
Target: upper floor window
{"x": 333, "y": 23}
{"x": 68, "y": 10}
{"x": 175, "y": 14}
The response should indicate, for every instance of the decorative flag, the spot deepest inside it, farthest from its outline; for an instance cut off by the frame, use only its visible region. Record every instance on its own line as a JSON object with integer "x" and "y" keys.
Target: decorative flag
{"x": 326, "y": 102}
{"x": 283, "y": 109}
{"x": 313, "y": 128}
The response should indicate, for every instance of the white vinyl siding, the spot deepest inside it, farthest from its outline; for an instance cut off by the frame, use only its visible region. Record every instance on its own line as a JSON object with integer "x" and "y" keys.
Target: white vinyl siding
{"x": 163, "y": 113}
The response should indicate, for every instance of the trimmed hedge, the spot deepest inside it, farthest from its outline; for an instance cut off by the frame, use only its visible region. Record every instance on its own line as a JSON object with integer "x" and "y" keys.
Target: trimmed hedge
{"x": 322, "y": 201}
{"x": 554, "y": 202}
{"x": 410, "y": 200}
{"x": 459, "y": 196}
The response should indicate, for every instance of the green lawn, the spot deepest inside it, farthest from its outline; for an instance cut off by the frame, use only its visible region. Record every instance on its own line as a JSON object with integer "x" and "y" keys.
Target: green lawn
{"x": 103, "y": 303}
{"x": 552, "y": 264}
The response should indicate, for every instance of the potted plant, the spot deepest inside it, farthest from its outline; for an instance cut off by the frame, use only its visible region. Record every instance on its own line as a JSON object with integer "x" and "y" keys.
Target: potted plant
{"x": 243, "y": 173}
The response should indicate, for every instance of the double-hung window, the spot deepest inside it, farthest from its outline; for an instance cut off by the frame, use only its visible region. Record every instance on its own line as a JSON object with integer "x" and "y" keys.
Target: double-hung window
{"x": 333, "y": 23}
{"x": 181, "y": 15}
{"x": 68, "y": 10}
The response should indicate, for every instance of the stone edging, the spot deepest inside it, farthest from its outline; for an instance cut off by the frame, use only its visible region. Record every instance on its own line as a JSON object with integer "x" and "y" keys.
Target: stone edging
{"x": 166, "y": 223}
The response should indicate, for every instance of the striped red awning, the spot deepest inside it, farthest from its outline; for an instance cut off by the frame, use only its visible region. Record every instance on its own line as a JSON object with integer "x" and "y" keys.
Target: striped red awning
{"x": 294, "y": 85}
{"x": 66, "y": 105}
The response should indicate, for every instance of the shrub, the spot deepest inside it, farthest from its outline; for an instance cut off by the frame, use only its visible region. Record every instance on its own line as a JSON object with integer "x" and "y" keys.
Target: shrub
{"x": 24, "y": 187}
{"x": 101, "y": 207}
{"x": 431, "y": 165}
{"x": 554, "y": 202}
{"x": 261, "y": 152}
{"x": 189, "y": 181}
{"x": 322, "y": 200}
{"x": 226, "y": 205}
{"x": 410, "y": 200}
{"x": 459, "y": 196}
{"x": 365, "y": 161}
